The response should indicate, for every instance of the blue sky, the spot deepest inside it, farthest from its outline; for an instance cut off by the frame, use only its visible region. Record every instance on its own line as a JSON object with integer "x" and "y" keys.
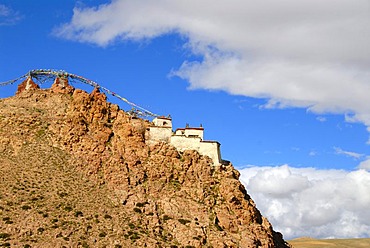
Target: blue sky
{"x": 282, "y": 86}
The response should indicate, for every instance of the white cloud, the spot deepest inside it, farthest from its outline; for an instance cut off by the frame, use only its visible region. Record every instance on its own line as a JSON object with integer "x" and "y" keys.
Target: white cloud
{"x": 312, "y": 153}
{"x": 321, "y": 119}
{"x": 365, "y": 164}
{"x": 311, "y": 202}
{"x": 354, "y": 155}
{"x": 8, "y": 16}
{"x": 308, "y": 53}
{"x": 4, "y": 11}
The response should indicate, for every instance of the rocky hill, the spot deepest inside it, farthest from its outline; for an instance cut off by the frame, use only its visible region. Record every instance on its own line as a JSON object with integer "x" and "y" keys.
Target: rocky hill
{"x": 76, "y": 172}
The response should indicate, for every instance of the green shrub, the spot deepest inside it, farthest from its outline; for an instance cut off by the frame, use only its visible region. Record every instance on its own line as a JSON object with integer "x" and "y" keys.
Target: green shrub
{"x": 78, "y": 214}
{"x": 107, "y": 216}
{"x": 4, "y": 235}
{"x": 137, "y": 210}
{"x": 141, "y": 204}
{"x": 84, "y": 244}
{"x": 68, "y": 208}
{"x": 183, "y": 221}
{"x": 26, "y": 207}
{"x": 166, "y": 217}
{"x": 62, "y": 194}
{"x": 134, "y": 236}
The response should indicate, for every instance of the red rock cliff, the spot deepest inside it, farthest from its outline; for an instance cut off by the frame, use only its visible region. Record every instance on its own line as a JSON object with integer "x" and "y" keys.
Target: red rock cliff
{"x": 177, "y": 199}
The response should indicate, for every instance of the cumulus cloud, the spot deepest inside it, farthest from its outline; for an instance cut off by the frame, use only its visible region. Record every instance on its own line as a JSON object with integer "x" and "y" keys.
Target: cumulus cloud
{"x": 365, "y": 164}
{"x": 308, "y": 53}
{"x": 311, "y": 202}
{"x": 8, "y": 16}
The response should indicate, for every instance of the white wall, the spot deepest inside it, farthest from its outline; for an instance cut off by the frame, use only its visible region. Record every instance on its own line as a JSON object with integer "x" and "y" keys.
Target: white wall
{"x": 212, "y": 150}
{"x": 162, "y": 122}
{"x": 180, "y": 131}
{"x": 157, "y": 134}
{"x": 184, "y": 139}
{"x": 208, "y": 148}
{"x": 183, "y": 143}
{"x": 194, "y": 132}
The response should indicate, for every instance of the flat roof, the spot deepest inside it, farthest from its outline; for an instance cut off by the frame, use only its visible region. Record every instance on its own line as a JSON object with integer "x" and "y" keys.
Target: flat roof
{"x": 191, "y": 128}
{"x": 164, "y": 118}
{"x": 195, "y": 128}
{"x": 211, "y": 141}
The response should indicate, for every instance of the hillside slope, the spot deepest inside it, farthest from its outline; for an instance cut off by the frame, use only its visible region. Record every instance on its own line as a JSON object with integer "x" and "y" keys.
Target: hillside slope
{"x": 76, "y": 172}
{"x": 332, "y": 243}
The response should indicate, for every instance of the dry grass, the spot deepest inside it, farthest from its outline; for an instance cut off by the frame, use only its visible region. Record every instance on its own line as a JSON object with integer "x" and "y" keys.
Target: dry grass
{"x": 45, "y": 202}
{"x": 75, "y": 172}
{"x": 329, "y": 243}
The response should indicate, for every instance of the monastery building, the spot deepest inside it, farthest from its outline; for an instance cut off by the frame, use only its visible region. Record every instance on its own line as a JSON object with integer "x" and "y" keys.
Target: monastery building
{"x": 188, "y": 138}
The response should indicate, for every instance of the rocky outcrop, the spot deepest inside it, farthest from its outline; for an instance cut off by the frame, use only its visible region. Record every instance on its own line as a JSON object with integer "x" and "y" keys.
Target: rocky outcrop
{"x": 61, "y": 85}
{"x": 26, "y": 85}
{"x": 164, "y": 198}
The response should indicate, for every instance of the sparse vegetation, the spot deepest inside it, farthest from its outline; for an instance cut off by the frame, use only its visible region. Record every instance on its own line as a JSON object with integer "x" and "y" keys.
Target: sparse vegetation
{"x": 26, "y": 207}
{"x": 78, "y": 214}
{"x": 68, "y": 208}
{"x": 107, "y": 216}
{"x": 166, "y": 217}
{"x": 69, "y": 177}
{"x": 184, "y": 221}
{"x": 137, "y": 210}
{"x": 132, "y": 226}
{"x": 141, "y": 204}
{"x": 4, "y": 235}
{"x": 332, "y": 243}
{"x": 176, "y": 184}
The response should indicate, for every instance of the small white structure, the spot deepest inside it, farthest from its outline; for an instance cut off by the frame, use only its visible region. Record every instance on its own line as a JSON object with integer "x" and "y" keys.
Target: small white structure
{"x": 161, "y": 131}
{"x": 190, "y": 132}
{"x": 188, "y": 138}
{"x": 163, "y": 122}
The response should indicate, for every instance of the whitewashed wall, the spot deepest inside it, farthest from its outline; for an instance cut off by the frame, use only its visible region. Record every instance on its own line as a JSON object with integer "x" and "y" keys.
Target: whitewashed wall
{"x": 212, "y": 150}
{"x": 158, "y": 134}
{"x": 194, "y": 132}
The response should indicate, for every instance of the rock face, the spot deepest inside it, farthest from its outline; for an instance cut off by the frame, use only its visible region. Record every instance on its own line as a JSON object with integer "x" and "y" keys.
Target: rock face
{"x": 106, "y": 188}
{"x": 26, "y": 85}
